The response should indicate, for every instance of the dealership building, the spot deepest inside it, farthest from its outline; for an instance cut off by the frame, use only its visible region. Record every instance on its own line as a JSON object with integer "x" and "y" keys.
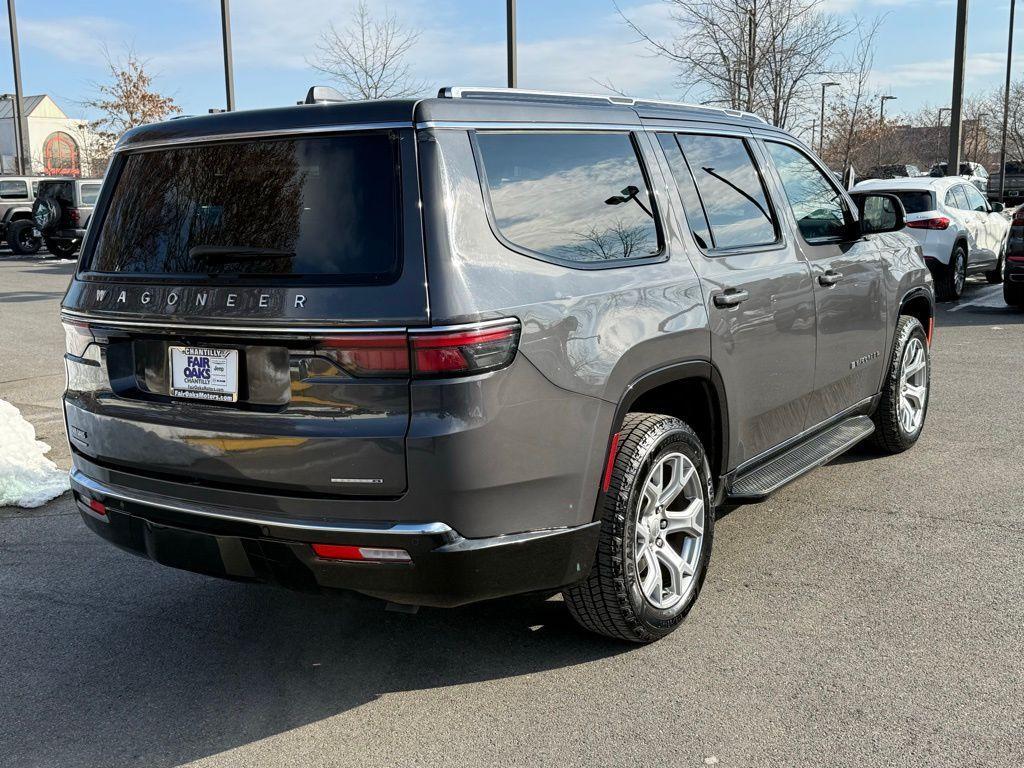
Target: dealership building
{"x": 57, "y": 145}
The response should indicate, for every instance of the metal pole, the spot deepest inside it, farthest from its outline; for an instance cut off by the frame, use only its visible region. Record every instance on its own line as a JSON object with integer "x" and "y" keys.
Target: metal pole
{"x": 821, "y": 136}
{"x": 956, "y": 106}
{"x": 229, "y": 76}
{"x": 1006, "y": 107}
{"x": 881, "y": 123}
{"x": 19, "y": 134}
{"x": 510, "y": 29}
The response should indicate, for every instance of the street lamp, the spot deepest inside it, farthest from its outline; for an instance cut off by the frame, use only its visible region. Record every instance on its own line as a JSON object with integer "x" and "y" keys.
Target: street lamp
{"x": 821, "y": 131}
{"x": 1006, "y": 107}
{"x": 229, "y": 70}
{"x": 881, "y": 122}
{"x": 941, "y": 110}
{"x": 19, "y": 134}
{"x": 510, "y": 42}
{"x": 977, "y": 134}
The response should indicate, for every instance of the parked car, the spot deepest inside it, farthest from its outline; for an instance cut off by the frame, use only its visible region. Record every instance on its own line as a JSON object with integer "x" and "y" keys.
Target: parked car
{"x": 1013, "y": 273}
{"x": 530, "y": 344}
{"x": 972, "y": 172}
{"x": 960, "y": 232}
{"x": 893, "y": 172}
{"x": 1013, "y": 191}
{"x": 16, "y": 196}
{"x": 61, "y": 212}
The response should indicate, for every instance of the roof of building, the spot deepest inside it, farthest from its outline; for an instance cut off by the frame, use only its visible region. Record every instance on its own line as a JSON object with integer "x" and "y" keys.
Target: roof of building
{"x": 29, "y": 104}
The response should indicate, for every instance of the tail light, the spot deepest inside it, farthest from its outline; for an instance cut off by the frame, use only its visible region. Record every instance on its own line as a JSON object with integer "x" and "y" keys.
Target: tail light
{"x": 73, "y": 215}
{"x": 939, "y": 222}
{"x": 1018, "y": 215}
{"x": 427, "y": 353}
{"x": 77, "y": 337}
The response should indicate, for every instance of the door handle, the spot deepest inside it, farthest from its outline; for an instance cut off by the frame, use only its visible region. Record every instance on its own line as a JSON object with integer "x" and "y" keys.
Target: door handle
{"x": 730, "y": 297}
{"x": 830, "y": 278}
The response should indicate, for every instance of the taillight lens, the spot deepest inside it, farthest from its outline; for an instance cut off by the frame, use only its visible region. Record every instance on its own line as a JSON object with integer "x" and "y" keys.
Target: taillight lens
{"x": 464, "y": 352}
{"x": 371, "y": 354}
{"x": 425, "y": 354}
{"x": 364, "y": 554}
{"x": 73, "y": 215}
{"x": 77, "y": 337}
{"x": 1018, "y": 215}
{"x": 939, "y": 222}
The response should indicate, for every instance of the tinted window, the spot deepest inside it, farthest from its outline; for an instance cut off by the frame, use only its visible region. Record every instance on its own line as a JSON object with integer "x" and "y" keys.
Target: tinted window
{"x": 579, "y": 197}
{"x": 816, "y": 203}
{"x": 291, "y": 207}
{"x": 915, "y": 202}
{"x": 89, "y": 193}
{"x": 692, "y": 207}
{"x": 975, "y": 201}
{"x": 731, "y": 190}
{"x": 13, "y": 190}
{"x": 62, "y": 191}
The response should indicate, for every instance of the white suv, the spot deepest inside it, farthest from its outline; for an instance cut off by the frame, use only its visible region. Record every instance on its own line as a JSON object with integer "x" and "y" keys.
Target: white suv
{"x": 959, "y": 231}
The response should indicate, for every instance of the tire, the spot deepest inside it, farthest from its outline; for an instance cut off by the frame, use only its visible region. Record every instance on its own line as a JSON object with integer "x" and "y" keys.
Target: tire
{"x": 950, "y": 282}
{"x": 610, "y": 601}
{"x": 1013, "y": 294}
{"x": 20, "y": 240}
{"x": 45, "y": 212}
{"x": 892, "y": 433}
{"x": 62, "y": 248}
{"x": 995, "y": 276}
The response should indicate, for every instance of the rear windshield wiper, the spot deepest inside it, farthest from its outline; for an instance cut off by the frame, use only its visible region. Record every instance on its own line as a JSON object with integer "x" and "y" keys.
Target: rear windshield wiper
{"x": 236, "y": 253}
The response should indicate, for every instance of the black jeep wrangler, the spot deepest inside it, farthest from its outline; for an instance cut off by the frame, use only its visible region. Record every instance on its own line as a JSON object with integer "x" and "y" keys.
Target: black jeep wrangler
{"x": 59, "y": 216}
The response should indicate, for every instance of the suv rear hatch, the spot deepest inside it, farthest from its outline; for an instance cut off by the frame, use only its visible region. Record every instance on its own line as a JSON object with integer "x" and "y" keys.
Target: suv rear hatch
{"x": 239, "y": 313}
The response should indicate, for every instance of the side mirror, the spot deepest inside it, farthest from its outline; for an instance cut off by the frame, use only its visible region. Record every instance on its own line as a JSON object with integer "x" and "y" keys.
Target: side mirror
{"x": 998, "y": 207}
{"x": 879, "y": 212}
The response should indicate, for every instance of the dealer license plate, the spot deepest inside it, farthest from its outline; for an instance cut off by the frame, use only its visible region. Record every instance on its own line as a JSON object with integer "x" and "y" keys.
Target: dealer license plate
{"x": 202, "y": 373}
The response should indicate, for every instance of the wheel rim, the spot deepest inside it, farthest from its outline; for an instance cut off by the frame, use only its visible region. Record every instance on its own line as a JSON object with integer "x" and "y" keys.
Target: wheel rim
{"x": 959, "y": 272}
{"x": 669, "y": 531}
{"x": 913, "y": 386}
{"x": 25, "y": 239}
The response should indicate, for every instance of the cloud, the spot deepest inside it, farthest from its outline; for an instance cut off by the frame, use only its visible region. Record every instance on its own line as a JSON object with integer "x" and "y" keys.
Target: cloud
{"x": 66, "y": 40}
{"x": 940, "y": 71}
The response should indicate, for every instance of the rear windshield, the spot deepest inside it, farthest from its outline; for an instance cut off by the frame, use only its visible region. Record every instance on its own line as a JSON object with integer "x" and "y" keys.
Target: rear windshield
{"x": 323, "y": 208}
{"x": 916, "y": 202}
{"x": 63, "y": 191}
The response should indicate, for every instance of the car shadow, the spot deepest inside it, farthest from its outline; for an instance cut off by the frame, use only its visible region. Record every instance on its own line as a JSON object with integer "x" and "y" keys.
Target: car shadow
{"x": 156, "y": 667}
{"x": 16, "y": 297}
{"x": 980, "y": 304}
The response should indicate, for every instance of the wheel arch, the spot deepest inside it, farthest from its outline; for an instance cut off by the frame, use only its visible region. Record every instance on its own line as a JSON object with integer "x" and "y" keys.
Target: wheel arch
{"x": 692, "y": 391}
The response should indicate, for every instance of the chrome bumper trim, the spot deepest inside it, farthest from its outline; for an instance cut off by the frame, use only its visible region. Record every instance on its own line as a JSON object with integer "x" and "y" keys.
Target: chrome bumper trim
{"x": 82, "y": 483}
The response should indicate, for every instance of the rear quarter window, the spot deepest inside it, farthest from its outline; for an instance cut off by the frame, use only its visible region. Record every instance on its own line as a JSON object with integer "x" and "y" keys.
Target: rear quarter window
{"x": 324, "y": 208}
{"x": 573, "y": 197}
{"x": 88, "y": 193}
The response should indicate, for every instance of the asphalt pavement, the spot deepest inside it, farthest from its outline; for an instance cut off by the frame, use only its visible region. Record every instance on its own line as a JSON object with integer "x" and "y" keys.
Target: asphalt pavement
{"x": 869, "y": 614}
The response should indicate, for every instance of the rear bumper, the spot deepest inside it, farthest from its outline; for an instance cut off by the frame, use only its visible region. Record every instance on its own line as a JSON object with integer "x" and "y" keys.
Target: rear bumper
{"x": 446, "y": 569}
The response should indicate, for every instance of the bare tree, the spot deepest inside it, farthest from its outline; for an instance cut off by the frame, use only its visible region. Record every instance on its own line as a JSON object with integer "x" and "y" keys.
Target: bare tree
{"x": 127, "y": 100}
{"x": 761, "y": 56}
{"x": 368, "y": 57}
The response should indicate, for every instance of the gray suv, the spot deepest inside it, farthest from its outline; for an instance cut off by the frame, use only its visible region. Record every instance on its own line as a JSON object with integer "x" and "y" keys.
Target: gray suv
{"x": 494, "y": 342}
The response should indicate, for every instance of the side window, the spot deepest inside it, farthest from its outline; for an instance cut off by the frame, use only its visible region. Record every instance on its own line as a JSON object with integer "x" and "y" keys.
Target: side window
{"x": 730, "y": 187}
{"x": 692, "y": 206}
{"x": 89, "y": 193}
{"x": 817, "y": 205}
{"x": 960, "y": 199}
{"x": 975, "y": 201}
{"x": 13, "y": 190}
{"x": 573, "y": 196}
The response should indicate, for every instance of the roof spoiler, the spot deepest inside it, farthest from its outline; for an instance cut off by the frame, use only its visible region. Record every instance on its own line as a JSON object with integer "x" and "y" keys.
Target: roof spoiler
{"x": 323, "y": 94}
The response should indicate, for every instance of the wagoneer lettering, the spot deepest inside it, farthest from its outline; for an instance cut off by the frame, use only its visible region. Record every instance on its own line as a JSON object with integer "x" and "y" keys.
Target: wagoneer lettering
{"x": 443, "y": 350}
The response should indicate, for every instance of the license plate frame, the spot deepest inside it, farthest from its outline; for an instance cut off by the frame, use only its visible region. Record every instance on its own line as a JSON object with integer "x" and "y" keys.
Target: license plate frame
{"x": 203, "y": 373}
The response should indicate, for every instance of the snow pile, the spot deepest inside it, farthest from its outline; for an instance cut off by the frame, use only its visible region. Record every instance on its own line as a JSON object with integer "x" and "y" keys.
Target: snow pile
{"x": 27, "y": 477}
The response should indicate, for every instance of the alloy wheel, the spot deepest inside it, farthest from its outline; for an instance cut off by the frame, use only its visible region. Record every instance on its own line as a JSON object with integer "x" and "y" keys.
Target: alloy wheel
{"x": 913, "y": 386}
{"x": 669, "y": 530}
{"x": 959, "y": 273}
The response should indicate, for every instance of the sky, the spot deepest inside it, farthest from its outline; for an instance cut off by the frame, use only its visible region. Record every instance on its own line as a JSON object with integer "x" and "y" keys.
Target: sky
{"x": 563, "y": 45}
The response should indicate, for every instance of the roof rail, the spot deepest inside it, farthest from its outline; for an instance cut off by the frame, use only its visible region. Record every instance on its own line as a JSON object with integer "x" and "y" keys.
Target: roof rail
{"x": 521, "y": 94}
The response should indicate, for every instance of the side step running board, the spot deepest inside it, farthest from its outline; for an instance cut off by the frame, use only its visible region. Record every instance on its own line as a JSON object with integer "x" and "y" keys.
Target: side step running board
{"x": 756, "y": 483}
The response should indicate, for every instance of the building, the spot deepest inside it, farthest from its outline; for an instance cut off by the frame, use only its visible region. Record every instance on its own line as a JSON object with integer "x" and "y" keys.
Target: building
{"x": 929, "y": 144}
{"x": 57, "y": 145}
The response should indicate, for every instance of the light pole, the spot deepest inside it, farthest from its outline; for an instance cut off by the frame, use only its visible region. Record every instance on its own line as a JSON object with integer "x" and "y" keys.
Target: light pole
{"x": 941, "y": 110}
{"x": 229, "y": 75}
{"x": 1006, "y": 107}
{"x": 977, "y": 134}
{"x": 821, "y": 133}
{"x": 957, "y": 104}
{"x": 510, "y": 31}
{"x": 19, "y": 134}
{"x": 881, "y": 123}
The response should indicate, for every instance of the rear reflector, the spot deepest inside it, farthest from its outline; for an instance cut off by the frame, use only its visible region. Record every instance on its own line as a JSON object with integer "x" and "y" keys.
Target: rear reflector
{"x": 371, "y": 554}
{"x": 612, "y": 452}
{"x": 452, "y": 352}
{"x": 98, "y": 507}
{"x": 939, "y": 222}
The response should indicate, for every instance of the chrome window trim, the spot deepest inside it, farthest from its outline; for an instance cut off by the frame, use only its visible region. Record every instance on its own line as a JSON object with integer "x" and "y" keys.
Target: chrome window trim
{"x": 81, "y": 482}
{"x": 483, "y": 125}
{"x": 277, "y": 133}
